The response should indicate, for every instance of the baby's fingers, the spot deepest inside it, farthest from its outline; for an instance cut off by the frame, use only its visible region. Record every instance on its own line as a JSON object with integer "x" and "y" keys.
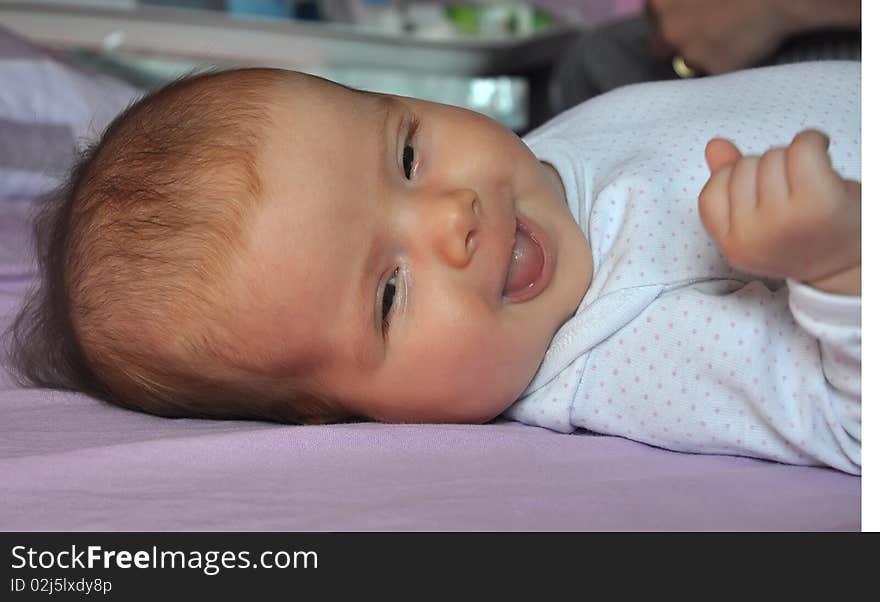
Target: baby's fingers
{"x": 721, "y": 152}
{"x": 807, "y": 162}
{"x": 743, "y": 188}
{"x": 772, "y": 179}
{"x": 721, "y": 156}
{"x": 714, "y": 203}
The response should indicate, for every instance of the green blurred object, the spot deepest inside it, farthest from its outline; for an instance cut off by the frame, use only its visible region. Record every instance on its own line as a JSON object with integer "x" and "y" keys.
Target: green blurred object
{"x": 542, "y": 20}
{"x": 472, "y": 19}
{"x": 466, "y": 18}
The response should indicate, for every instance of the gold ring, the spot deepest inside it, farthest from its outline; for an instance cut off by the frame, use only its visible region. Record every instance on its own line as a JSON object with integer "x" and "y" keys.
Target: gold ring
{"x": 681, "y": 68}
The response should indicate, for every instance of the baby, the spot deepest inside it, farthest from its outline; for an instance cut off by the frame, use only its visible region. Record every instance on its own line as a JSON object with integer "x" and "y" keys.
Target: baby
{"x": 265, "y": 244}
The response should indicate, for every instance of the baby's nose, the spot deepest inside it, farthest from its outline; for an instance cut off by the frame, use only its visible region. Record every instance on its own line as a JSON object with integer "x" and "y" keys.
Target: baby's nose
{"x": 454, "y": 222}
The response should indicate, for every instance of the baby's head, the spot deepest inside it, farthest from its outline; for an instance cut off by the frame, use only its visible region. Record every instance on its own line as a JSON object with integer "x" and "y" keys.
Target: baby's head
{"x": 265, "y": 244}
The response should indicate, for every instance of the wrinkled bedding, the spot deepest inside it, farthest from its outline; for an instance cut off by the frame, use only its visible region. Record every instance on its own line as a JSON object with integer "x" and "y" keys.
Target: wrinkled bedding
{"x": 72, "y": 463}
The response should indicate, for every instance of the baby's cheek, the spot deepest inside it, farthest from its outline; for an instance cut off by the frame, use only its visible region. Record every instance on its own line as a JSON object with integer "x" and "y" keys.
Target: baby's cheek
{"x": 494, "y": 360}
{"x": 460, "y": 350}
{"x": 469, "y": 374}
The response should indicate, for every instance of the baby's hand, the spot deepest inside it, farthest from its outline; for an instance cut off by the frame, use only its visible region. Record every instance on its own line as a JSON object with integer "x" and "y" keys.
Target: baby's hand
{"x": 786, "y": 213}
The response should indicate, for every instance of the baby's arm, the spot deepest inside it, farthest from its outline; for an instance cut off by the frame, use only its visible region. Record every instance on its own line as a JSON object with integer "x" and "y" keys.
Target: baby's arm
{"x": 785, "y": 214}
{"x": 789, "y": 214}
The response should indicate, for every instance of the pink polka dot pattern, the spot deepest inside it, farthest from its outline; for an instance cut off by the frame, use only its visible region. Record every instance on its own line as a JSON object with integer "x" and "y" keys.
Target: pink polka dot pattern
{"x": 670, "y": 346}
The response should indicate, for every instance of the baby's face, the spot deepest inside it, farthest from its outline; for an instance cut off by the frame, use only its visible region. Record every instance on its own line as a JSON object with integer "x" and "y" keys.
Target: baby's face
{"x": 382, "y": 256}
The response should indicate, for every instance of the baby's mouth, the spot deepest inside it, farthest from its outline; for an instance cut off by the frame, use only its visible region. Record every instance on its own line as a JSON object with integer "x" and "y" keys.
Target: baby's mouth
{"x": 531, "y": 265}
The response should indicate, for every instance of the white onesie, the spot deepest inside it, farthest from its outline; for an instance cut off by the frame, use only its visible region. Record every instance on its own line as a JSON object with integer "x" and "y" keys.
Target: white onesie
{"x": 670, "y": 346}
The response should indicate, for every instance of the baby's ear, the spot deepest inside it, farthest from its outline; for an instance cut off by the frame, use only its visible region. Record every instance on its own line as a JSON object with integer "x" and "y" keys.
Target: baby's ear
{"x": 721, "y": 152}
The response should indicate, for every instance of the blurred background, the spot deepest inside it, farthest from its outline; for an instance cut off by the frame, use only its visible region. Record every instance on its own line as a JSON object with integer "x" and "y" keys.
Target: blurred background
{"x": 518, "y": 61}
{"x": 493, "y": 56}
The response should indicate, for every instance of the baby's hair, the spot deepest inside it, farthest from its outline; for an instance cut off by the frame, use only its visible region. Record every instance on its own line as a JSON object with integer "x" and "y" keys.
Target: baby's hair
{"x": 137, "y": 253}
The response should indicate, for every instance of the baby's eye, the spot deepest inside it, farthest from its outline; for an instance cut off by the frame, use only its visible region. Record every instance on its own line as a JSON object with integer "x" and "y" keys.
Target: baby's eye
{"x": 408, "y": 156}
{"x": 409, "y": 150}
{"x": 388, "y": 298}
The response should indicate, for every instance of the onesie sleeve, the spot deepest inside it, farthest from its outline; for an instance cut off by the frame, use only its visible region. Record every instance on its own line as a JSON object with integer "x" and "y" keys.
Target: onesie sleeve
{"x": 836, "y": 323}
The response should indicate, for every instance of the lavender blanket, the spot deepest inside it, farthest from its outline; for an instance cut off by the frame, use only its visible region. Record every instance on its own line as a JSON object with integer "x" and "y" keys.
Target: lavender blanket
{"x": 72, "y": 463}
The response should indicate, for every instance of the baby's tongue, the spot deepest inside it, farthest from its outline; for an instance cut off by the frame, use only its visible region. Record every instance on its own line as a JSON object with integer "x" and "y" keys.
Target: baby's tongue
{"x": 525, "y": 264}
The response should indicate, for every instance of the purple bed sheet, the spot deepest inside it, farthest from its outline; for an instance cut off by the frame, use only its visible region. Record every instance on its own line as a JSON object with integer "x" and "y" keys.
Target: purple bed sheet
{"x": 71, "y": 463}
